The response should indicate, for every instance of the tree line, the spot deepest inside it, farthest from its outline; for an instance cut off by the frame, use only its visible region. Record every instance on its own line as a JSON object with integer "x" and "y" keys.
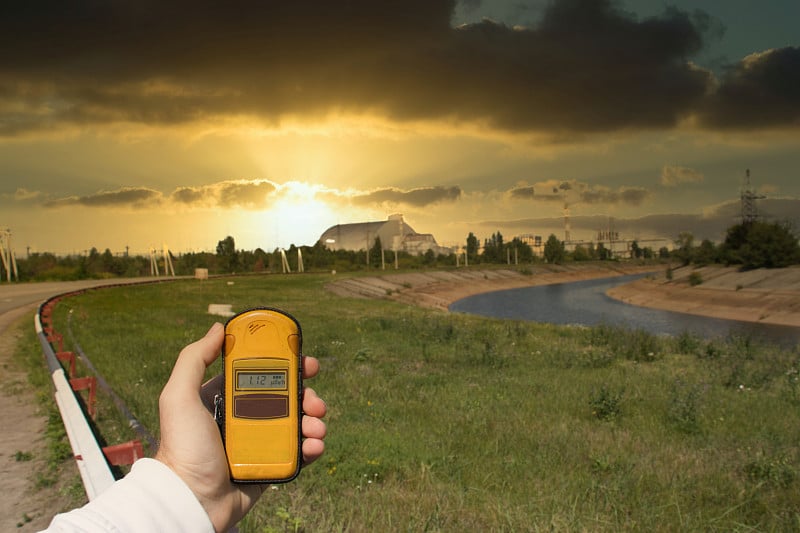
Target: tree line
{"x": 751, "y": 244}
{"x": 226, "y": 259}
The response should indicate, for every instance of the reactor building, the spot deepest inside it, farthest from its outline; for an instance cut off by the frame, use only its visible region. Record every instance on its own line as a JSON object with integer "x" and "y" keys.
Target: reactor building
{"x": 395, "y": 235}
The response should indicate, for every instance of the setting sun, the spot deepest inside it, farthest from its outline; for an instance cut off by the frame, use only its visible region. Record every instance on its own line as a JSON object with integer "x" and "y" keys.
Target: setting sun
{"x": 297, "y": 215}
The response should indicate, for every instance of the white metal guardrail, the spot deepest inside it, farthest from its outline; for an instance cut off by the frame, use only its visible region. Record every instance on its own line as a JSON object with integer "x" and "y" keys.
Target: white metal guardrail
{"x": 94, "y": 462}
{"x": 92, "y": 465}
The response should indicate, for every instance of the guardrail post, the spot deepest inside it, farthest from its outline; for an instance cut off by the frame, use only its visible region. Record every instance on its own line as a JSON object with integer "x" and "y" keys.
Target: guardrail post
{"x": 124, "y": 454}
{"x": 90, "y": 383}
{"x": 68, "y": 357}
{"x": 52, "y": 337}
{"x": 47, "y": 317}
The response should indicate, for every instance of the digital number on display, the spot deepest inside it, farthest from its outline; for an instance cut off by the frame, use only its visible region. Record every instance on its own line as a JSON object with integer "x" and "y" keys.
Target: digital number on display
{"x": 261, "y": 380}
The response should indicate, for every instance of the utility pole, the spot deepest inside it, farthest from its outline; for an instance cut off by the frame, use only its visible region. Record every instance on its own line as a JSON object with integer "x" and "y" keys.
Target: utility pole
{"x": 284, "y": 263}
{"x": 154, "y": 263}
{"x": 749, "y": 197}
{"x": 168, "y": 268}
{"x": 9, "y": 258}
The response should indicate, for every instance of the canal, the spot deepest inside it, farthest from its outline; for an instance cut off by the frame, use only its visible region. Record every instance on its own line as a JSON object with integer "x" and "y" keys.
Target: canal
{"x": 586, "y": 303}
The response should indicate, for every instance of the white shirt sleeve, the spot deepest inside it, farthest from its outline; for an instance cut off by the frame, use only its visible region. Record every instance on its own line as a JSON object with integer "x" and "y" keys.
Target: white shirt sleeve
{"x": 150, "y": 498}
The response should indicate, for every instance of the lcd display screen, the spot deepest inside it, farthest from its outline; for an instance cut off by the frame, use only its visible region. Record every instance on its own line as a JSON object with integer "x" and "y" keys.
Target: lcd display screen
{"x": 261, "y": 380}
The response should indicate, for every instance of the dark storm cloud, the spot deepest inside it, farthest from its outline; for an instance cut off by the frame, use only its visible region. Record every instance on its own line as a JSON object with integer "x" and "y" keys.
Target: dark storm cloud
{"x": 21, "y": 197}
{"x": 632, "y": 196}
{"x": 248, "y": 194}
{"x": 470, "y": 5}
{"x": 672, "y": 176}
{"x": 575, "y": 192}
{"x": 420, "y": 197}
{"x": 134, "y": 197}
{"x": 189, "y": 195}
{"x": 761, "y": 90}
{"x": 586, "y": 66}
{"x": 522, "y": 193}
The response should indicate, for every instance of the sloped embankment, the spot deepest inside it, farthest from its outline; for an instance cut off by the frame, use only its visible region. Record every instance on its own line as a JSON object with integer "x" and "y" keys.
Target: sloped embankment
{"x": 771, "y": 296}
{"x": 438, "y": 289}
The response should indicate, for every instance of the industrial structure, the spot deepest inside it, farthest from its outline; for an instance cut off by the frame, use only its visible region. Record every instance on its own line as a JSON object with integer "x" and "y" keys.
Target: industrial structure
{"x": 394, "y": 234}
{"x": 608, "y": 237}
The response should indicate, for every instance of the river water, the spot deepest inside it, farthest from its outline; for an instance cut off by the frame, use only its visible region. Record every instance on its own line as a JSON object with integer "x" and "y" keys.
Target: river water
{"x": 585, "y": 303}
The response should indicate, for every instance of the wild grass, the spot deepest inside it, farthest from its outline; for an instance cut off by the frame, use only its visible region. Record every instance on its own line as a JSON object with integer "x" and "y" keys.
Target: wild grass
{"x": 56, "y": 466}
{"x": 446, "y": 422}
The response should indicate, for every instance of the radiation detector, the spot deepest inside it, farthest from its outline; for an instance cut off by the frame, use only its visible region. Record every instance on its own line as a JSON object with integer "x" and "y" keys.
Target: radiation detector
{"x": 260, "y": 405}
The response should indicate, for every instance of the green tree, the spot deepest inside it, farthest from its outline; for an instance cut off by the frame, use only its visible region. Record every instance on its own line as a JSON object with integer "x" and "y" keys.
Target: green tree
{"x": 226, "y": 252}
{"x": 472, "y": 247}
{"x": 94, "y": 263}
{"x": 375, "y": 253}
{"x": 603, "y": 253}
{"x": 636, "y": 251}
{"x": 293, "y": 259}
{"x": 554, "y": 250}
{"x": 83, "y": 271}
{"x": 524, "y": 251}
{"x": 494, "y": 250}
{"x": 260, "y": 260}
{"x": 500, "y": 247}
{"x": 226, "y": 246}
{"x": 107, "y": 259}
{"x": 684, "y": 248}
{"x": 706, "y": 253}
{"x": 735, "y": 239}
{"x": 759, "y": 244}
{"x": 581, "y": 253}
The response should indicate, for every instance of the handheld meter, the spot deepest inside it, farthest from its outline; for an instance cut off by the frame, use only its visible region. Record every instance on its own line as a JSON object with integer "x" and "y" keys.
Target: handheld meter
{"x": 261, "y": 404}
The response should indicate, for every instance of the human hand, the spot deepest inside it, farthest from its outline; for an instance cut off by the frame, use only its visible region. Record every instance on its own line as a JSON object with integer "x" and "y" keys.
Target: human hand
{"x": 191, "y": 444}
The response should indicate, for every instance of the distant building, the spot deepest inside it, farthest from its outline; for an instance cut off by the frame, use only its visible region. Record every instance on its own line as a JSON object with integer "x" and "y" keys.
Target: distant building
{"x": 534, "y": 241}
{"x": 394, "y": 233}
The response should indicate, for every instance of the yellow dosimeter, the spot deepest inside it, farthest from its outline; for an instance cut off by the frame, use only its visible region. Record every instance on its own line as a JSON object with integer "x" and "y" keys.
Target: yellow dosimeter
{"x": 261, "y": 358}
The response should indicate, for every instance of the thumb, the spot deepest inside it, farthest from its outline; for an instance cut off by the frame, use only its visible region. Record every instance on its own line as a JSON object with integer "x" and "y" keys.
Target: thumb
{"x": 187, "y": 374}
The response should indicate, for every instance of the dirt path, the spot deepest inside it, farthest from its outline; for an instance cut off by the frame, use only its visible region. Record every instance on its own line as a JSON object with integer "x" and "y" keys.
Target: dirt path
{"x": 23, "y": 507}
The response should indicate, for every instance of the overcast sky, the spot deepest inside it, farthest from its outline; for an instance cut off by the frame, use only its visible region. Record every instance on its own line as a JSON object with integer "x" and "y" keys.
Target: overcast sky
{"x": 147, "y": 123}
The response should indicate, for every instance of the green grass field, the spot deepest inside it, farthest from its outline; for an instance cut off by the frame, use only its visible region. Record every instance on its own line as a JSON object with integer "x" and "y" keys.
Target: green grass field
{"x": 444, "y": 422}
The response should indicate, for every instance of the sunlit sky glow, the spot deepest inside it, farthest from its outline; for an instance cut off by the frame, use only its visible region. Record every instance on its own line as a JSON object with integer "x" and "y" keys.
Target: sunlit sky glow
{"x": 150, "y": 123}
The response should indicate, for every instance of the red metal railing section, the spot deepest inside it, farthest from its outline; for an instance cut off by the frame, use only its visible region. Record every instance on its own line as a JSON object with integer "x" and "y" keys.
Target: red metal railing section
{"x": 93, "y": 461}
